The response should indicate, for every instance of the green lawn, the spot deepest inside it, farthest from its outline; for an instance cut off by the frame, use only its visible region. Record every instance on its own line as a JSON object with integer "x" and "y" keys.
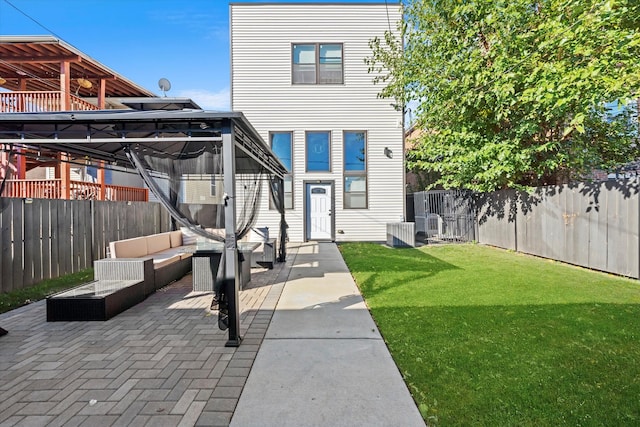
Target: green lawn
{"x": 489, "y": 337}
{"x": 20, "y": 297}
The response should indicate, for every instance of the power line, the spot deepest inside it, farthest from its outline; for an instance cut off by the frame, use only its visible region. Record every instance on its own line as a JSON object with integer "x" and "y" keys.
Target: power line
{"x": 386, "y": 6}
{"x": 20, "y": 70}
{"x": 31, "y": 18}
{"x": 28, "y": 74}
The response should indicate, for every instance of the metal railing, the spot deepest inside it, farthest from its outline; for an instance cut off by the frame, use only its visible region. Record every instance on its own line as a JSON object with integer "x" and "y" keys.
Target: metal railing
{"x": 80, "y": 190}
{"x": 445, "y": 215}
{"x": 33, "y": 102}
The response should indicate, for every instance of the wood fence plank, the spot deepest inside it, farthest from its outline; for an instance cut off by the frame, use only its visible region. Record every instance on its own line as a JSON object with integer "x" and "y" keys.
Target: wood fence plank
{"x": 31, "y": 251}
{"x": 598, "y": 230}
{"x": 87, "y": 248}
{"x": 99, "y": 244}
{"x": 7, "y": 245}
{"x": 18, "y": 243}
{"x": 54, "y": 236}
{"x": 46, "y": 237}
{"x": 79, "y": 237}
{"x": 65, "y": 235}
{"x": 581, "y": 229}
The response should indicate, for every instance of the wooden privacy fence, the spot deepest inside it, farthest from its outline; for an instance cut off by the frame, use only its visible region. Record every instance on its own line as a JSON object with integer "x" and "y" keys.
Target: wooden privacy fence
{"x": 590, "y": 225}
{"x": 47, "y": 238}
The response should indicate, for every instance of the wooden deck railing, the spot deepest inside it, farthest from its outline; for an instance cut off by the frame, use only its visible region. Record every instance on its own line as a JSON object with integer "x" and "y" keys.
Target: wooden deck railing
{"x": 52, "y": 189}
{"x": 33, "y": 102}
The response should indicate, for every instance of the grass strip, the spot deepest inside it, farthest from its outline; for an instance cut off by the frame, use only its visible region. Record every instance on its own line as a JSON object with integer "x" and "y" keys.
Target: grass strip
{"x": 485, "y": 336}
{"x": 19, "y": 297}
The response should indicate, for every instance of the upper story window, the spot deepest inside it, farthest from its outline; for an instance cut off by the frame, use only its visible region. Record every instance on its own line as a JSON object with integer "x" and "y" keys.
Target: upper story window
{"x": 317, "y": 63}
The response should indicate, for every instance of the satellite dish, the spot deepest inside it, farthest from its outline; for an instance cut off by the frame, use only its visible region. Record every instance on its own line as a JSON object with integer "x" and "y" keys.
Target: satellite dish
{"x": 84, "y": 83}
{"x": 164, "y": 85}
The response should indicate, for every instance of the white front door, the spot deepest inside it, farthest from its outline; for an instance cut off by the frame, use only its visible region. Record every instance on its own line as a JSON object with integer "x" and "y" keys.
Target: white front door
{"x": 319, "y": 223}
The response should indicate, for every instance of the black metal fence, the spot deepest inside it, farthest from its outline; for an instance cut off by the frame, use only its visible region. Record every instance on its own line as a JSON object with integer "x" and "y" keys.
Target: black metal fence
{"x": 445, "y": 216}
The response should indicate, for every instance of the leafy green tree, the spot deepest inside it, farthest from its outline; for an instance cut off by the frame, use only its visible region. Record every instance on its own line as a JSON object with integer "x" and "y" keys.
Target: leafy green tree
{"x": 515, "y": 93}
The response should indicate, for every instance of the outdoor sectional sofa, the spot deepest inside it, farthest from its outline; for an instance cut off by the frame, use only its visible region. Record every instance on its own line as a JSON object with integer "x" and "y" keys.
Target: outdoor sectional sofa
{"x": 171, "y": 258}
{"x": 135, "y": 269}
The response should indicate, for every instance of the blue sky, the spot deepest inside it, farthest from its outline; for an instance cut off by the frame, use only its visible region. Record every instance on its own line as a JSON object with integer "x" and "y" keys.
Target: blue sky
{"x": 185, "y": 41}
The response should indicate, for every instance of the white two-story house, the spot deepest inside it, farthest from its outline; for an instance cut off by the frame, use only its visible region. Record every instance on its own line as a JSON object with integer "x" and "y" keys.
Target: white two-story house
{"x": 298, "y": 73}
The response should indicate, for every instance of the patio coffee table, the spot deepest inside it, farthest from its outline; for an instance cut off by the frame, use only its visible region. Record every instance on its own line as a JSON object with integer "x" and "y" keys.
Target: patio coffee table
{"x": 97, "y": 300}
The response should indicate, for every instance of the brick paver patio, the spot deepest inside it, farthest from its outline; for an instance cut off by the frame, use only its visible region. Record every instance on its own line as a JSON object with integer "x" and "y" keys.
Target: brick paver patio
{"x": 160, "y": 363}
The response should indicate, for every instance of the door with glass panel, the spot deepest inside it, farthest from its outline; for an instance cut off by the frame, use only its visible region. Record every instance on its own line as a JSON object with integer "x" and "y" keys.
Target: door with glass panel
{"x": 319, "y": 211}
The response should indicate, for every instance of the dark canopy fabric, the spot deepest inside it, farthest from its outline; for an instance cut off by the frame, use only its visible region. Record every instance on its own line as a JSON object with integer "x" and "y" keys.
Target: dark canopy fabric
{"x": 102, "y": 135}
{"x": 187, "y": 142}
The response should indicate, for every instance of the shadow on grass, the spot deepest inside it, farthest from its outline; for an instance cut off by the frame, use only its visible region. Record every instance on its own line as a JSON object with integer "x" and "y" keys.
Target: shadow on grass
{"x": 376, "y": 262}
{"x": 555, "y": 364}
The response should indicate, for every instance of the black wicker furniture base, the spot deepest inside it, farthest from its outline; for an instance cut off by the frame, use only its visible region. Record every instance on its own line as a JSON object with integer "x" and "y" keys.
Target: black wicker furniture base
{"x": 98, "y": 300}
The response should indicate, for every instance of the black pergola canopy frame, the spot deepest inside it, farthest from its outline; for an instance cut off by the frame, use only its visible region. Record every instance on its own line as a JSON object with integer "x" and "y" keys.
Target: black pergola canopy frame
{"x": 103, "y": 135}
{"x": 106, "y": 135}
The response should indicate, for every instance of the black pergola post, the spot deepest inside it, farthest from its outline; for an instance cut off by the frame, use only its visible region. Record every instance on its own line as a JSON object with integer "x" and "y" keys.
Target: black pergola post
{"x": 231, "y": 281}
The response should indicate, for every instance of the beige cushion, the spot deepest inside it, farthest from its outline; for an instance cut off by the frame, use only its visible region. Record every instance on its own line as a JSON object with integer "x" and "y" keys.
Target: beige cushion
{"x": 188, "y": 236}
{"x": 187, "y": 251}
{"x": 158, "y": 242}
{"x": 162, "y": 259}
{"x": 176, "y": 238}
{"x": 129, "y": 248}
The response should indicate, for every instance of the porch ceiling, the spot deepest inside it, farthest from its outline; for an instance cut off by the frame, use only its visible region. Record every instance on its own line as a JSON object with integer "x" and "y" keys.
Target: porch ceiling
{"x": 36, "y": 60}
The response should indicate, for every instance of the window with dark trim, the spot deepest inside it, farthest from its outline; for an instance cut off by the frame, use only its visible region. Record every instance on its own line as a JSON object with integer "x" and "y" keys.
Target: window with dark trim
{"x": 355, "y": 169}
{"x": 282, "y": 146}
{"x": 316, "y": 63}
{"x": 318, "y": 151}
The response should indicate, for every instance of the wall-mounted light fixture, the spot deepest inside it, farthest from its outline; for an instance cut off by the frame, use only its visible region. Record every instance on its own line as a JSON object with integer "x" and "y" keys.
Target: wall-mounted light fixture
{"x": 2, "y": 81}
{"x": 388, "y": 152}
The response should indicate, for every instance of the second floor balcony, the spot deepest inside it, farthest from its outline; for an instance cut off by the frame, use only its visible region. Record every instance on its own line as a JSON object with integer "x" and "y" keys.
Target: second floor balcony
{"x": 36, "y": 102}
{"x": 76, "y": 190}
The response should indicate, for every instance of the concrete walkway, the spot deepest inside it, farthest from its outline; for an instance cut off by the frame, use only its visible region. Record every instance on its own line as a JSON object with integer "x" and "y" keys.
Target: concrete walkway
{"x": 311, "y": 355}
{"x": 323, "y": 361}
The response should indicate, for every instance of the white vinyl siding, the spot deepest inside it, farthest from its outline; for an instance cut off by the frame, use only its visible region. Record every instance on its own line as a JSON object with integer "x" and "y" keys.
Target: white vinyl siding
{"x": 262, "y": 39}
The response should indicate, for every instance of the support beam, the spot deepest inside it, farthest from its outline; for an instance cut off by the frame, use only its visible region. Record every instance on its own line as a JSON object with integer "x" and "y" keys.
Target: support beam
{"x": 7, "y": 169}
{"x": 21, "y": 165}
{"x": 43, "y": 59}
{"x": 102, "y": 90}
{"x": 231, "y": 280}
{"x": 65, "y": 85}
{"x": 63, "y": 172}
{"x": 101, "y": 181}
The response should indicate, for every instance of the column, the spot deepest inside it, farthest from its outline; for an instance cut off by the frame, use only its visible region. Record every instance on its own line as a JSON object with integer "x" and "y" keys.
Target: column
{"x": 230, "y": 245}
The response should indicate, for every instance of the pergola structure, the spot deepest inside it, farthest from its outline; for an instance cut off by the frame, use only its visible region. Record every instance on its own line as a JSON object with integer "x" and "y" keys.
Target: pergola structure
{"x": 107, "y": 135}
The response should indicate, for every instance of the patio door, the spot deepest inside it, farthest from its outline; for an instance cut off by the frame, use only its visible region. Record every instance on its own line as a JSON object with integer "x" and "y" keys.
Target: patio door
{"x": 319, "y": 219}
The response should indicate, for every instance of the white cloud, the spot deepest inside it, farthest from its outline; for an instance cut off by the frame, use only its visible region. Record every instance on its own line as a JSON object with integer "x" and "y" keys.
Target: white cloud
{"x": 216, "y": 101}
